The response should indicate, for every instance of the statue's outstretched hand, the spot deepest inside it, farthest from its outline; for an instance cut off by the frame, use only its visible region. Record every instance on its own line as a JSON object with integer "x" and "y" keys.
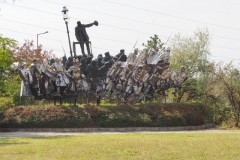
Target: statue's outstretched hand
{"x": 95, "y": 23}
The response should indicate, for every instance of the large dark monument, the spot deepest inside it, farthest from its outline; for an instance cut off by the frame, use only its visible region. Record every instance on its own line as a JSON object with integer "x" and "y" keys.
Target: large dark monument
{"x": 121, "y": 78}
{"x": 82, "y": 36}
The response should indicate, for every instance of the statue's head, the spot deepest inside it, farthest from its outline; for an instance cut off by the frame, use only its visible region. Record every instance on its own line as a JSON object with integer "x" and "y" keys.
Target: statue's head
{"x": 130, "y": 66}
{"x": 140, "y": 68}
{"x": 76, "y": 61}
{"x": 146, "y": 67}
{"x": 52, "y": 61}
{"x": 107, "y": 54}
{"x": 35, "y": 60}
{"x": 136, "y": 50}
{"x": 70, "y": 58}
{"x": 22, "y": 65}
{"x": 94, "y": 62}
{"x": 183, "y": 69}
{"x": 100, "y": 56}
{"x": 79, "y": 23}
{"x": 83, "y": 61}
{"x": 45, "y": 62}
{"x": 56, "y": 60}
{"x": 79, "y": 57}
{"x": 118, "y": 64}
{"x": 168, "y": 49}
{"x": 122, "y": 51}
{"x": 89, "y": 58}
{"x": 64, "y": 58}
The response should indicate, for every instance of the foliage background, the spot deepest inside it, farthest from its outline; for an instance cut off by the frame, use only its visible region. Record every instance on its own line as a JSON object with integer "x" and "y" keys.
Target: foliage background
{"x": 213, "y": 85}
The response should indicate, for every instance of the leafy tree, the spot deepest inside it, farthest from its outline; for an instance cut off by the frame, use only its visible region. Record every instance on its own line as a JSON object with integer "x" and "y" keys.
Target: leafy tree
{"x": 154, "y": 42}
{"x": 27, "y": 52}
{"x": 10, "y": 85}
{"x": 6, "y": 49}
{"x": 191, "y": 52}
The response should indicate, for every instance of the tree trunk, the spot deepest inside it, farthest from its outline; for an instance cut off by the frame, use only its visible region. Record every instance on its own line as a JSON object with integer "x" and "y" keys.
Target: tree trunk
{"x": 236, "y": 123}
{"x": 237, "y": 119}
{"x": 237, "y": 115}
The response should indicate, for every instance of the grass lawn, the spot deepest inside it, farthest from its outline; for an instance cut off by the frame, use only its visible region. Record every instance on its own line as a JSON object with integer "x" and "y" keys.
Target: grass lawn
{"x": 212, "y": 146}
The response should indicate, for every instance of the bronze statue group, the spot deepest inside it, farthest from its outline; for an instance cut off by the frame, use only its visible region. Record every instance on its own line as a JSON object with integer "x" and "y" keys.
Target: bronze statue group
{"x": 120, "y": 79}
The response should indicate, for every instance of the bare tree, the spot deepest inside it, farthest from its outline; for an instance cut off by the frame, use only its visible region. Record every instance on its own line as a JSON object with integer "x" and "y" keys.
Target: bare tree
{"x": 225, "y": 84}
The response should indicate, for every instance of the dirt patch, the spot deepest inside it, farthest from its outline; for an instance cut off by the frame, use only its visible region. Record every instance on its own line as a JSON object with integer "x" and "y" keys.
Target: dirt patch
{"x": 42, "y": 134}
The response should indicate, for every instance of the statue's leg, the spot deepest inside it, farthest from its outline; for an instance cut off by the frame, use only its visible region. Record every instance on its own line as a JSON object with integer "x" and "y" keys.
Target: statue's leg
{"x": 98, "y": 100}
{"x": 75, "y": 101}
{"x": 82, "y": 48}
{"x": 174, "y": 93}
{"x": 54, "y": 101}
{"x": 60, "y": 100}
{"x": 165, "y": 87}
{"x": 61, "y": 93}
{"x": 88, "y": 48}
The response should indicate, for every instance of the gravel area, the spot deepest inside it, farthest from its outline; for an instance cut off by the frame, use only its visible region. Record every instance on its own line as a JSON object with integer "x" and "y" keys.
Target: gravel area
{"x": 41, "y": 134}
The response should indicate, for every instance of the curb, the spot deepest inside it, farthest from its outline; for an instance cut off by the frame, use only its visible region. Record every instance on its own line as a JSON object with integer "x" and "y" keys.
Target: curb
{"x": 125, "y": 129}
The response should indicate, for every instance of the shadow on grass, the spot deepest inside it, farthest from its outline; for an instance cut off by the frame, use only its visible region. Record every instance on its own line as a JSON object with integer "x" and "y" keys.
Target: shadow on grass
{"x": 53, "y": 137}
{"x": 10, "y": 141}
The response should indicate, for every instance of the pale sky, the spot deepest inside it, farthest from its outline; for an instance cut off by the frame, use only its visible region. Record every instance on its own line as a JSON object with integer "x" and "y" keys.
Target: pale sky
{"x": 122, "y": 23}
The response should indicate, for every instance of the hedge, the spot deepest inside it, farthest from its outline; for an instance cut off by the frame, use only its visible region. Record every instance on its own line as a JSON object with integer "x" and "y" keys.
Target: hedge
{"x": 147, "y": 115}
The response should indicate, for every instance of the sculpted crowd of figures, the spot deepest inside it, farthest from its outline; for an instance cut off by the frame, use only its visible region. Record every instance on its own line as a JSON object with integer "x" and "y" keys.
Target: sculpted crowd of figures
{"x": 120, "y": 78}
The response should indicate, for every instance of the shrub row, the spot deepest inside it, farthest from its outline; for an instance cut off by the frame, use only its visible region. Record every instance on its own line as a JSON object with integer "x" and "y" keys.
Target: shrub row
{"x": 148, "y": 115}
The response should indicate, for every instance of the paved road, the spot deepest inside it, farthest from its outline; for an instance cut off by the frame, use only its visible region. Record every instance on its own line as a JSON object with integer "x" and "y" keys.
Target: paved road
{"x": 38, "y": 134}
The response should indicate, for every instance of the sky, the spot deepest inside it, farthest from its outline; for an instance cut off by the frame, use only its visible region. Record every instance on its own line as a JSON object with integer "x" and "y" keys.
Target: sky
{"x": 123, "y": 24}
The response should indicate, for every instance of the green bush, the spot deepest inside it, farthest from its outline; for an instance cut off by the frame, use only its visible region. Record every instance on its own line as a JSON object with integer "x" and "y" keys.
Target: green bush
{"x": 147, "y": 115}
{"x": 31, "y": 115}
{"x": 5, "y": 103}
{"x": 10, "y": 85}
{"x": 214, "y": 113}
{"x": 26, "y": 101}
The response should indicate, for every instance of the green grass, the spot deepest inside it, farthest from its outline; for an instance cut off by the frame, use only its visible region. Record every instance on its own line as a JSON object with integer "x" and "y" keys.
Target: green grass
{"x": 212, "y": 146}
